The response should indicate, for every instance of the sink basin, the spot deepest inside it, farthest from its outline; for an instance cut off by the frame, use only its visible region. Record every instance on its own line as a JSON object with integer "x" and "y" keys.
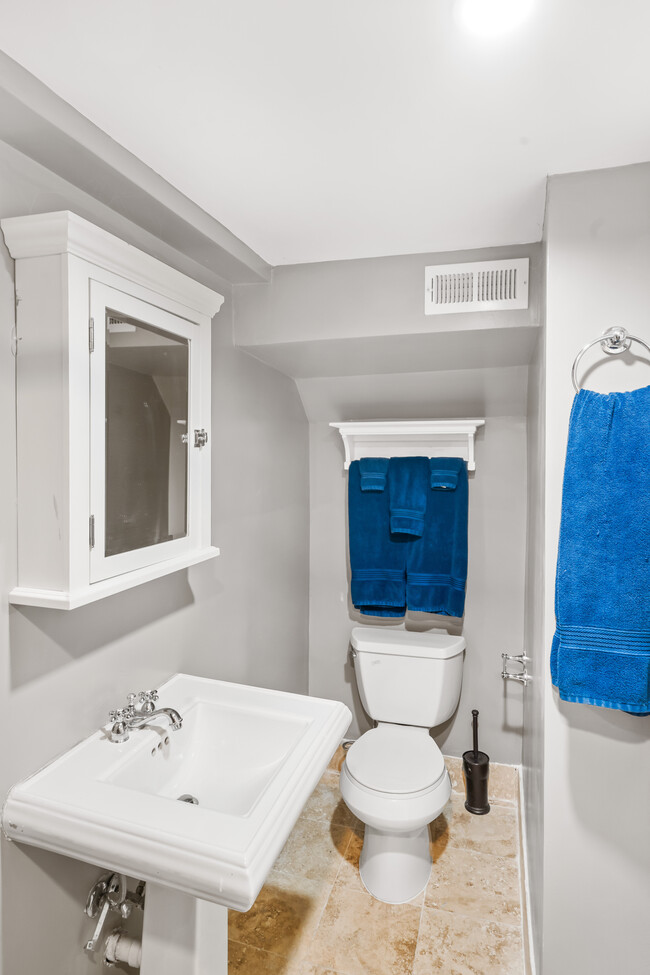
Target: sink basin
{"x": 250, "y": 757}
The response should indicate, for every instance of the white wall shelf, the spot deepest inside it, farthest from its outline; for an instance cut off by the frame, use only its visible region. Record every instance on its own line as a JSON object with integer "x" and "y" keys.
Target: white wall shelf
{"x": 407, "y": 438}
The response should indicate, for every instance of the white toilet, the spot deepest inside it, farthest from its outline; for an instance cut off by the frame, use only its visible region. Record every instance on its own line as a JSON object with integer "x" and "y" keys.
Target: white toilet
{"x": 394, "y": 777}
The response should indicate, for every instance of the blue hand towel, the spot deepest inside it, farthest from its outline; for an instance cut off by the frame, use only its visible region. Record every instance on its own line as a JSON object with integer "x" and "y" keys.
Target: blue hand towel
{"x": 601, "y": 648}
{"x": 436, "y": 565}
{"x": 408, "y": 484}
{"x": 443, "y": 480}
{"x": 377, "y": 559}
{"x": 373, "y": 473}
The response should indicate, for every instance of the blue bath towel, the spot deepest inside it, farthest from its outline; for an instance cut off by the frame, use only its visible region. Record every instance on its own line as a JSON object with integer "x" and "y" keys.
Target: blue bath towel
{"x": 436, "y": 565}
{"x": 408, "y": 485}
{"x": 601, "y": 648}
{"x": 377, "y": 559}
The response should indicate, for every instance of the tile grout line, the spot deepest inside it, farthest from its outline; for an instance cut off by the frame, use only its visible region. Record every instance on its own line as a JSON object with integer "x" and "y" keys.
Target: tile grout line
{"x": 474, "y": 917}
{"x": 326, "y": 900}
{"x": 417, "y": 940}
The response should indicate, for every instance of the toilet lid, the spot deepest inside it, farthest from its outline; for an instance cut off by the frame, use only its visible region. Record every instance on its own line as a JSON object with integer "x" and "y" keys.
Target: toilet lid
{"x": 395, "y": 759}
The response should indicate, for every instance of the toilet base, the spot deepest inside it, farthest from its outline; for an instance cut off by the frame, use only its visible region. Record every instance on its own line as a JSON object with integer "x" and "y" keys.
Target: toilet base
{"x": 395, "y": 867}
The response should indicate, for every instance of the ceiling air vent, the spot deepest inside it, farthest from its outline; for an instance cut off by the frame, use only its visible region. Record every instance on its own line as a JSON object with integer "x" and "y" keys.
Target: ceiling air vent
{"x": 481, "y": 286}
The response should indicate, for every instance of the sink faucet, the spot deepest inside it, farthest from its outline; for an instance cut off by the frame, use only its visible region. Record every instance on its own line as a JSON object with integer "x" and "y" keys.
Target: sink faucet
{"x": 139, "y": 712}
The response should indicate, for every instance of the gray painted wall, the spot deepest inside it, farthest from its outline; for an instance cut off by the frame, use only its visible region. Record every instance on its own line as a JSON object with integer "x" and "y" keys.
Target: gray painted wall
{"x": 366, "y": 317}
{"x": 596, "y": 783}
{"x": 295, "y": 322}
{"x": 494, "y": 606}
{"x": 240, "y": 617}
{"x": 373, "y": 297}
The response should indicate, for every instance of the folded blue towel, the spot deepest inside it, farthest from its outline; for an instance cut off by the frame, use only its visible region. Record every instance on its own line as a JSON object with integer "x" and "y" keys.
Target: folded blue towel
{"x": 436, "y": 565}
{"x": 377, "y": 559}
{"x": 443, "y": 480}
{"x": 408, "y": 485}
{"x": 373, "y": 473}
{"x": 601, "y": 648}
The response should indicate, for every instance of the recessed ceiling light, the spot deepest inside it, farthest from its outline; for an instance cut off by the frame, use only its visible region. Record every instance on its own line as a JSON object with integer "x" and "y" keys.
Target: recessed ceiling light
{"x": 489, "y": 18}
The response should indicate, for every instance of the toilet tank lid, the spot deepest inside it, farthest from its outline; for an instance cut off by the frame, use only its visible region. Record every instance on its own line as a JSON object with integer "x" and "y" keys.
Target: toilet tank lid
{"x": 409, "y": 643}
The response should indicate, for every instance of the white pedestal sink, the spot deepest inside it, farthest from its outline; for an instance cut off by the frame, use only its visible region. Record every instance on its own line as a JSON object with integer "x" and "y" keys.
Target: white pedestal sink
{"x": 250, "y": 756}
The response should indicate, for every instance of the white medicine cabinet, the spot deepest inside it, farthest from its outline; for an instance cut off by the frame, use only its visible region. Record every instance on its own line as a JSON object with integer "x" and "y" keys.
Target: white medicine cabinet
{"x": 113, "y": 413}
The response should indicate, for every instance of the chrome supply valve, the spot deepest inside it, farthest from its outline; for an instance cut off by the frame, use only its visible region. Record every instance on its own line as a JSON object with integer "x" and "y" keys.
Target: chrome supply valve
{"x": 110, "y": 894}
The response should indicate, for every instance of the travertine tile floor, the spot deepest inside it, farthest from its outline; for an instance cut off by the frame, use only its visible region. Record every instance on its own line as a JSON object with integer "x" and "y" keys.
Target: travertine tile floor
{"x": 314, "y": 917}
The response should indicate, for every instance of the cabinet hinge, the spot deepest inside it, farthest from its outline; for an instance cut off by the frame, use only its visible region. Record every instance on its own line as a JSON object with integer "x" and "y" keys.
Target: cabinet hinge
{"x": 91, "y": 335}
{"x": 91, "y": 531}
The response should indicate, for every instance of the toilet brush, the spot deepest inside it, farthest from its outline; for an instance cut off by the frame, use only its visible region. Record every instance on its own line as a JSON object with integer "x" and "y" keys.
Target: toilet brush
{"x": 476, "y": 767}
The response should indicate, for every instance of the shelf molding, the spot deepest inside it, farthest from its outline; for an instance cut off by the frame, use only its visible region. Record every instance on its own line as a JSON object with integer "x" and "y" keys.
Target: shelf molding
{"x": 406, "y": 438}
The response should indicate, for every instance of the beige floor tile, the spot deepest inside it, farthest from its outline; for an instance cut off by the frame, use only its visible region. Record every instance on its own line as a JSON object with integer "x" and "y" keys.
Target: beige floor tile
{"x": 496, "y": 833}
{"x": 282, "y": 920}
{"x": 337, "y": 759}
{"x": 308, "y": 969}
{"x": 450, "y": 944}
{"x": 359, "y": 935}
{"x": 315, "y": 850}
{"x": 244, "y": 960}
{"x": 503, "y": 784}
{"x": 314, "y": 916}
{"x": 439, "y": 831}
{"x": 455, "y": 769}
{"x": 348, "y": 874}
{"x": 326, "y": 802}
{"x": 478, "y": 885}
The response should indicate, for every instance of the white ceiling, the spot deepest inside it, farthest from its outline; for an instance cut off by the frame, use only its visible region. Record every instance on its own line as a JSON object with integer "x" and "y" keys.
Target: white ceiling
{"x": 353, "y": 128}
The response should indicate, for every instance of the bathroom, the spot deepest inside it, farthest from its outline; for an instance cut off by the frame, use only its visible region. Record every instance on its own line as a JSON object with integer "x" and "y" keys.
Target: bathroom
{"x": 321, "y": 342}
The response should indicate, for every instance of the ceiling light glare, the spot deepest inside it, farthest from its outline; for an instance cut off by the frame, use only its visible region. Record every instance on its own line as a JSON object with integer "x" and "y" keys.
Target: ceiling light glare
{"x": 489, "y": 18}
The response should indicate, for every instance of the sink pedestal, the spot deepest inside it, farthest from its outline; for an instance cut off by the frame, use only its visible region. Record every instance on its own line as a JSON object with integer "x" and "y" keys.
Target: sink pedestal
{"x": 183, "y": 934}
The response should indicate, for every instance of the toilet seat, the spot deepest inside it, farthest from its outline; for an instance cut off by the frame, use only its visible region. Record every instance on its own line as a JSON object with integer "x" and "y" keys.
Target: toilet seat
{"x": 396, "y": 760}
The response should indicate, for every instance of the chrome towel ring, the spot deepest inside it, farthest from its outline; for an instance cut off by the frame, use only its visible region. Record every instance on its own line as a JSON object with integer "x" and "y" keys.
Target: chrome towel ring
{"x": 613, "y": 342}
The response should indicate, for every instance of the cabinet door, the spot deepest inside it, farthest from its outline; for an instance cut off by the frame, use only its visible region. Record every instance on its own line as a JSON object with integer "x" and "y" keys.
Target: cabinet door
{"x": 145, "y": 401}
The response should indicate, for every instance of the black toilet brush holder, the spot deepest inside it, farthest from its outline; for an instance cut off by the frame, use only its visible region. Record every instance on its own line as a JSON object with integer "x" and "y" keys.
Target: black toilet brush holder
{"x": 476, "y": 767}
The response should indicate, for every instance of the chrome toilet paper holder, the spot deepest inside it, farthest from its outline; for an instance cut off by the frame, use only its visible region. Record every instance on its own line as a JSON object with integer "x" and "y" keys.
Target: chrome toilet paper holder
{"x": 522, "y": 676}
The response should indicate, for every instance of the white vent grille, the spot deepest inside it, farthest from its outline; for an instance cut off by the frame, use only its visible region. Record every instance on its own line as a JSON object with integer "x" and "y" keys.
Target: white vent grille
{"x": 481, "y": 286}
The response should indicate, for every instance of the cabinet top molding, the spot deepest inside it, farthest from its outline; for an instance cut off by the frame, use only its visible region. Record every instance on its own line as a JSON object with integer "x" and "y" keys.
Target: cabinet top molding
{"x": 64, "y": 232}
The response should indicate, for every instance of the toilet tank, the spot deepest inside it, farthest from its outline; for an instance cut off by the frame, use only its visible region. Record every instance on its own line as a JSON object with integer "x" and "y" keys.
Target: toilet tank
{"x": 406, "y": 677}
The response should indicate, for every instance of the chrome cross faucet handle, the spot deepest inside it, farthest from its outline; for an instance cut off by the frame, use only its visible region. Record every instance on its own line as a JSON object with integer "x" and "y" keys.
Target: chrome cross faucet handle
{"x": 146, "y": 700}
{"x": 120, "y": 718}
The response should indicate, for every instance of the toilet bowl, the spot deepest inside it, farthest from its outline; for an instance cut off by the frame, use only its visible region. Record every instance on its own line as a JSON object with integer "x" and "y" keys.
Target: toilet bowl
{"x": 394, "y": 777}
